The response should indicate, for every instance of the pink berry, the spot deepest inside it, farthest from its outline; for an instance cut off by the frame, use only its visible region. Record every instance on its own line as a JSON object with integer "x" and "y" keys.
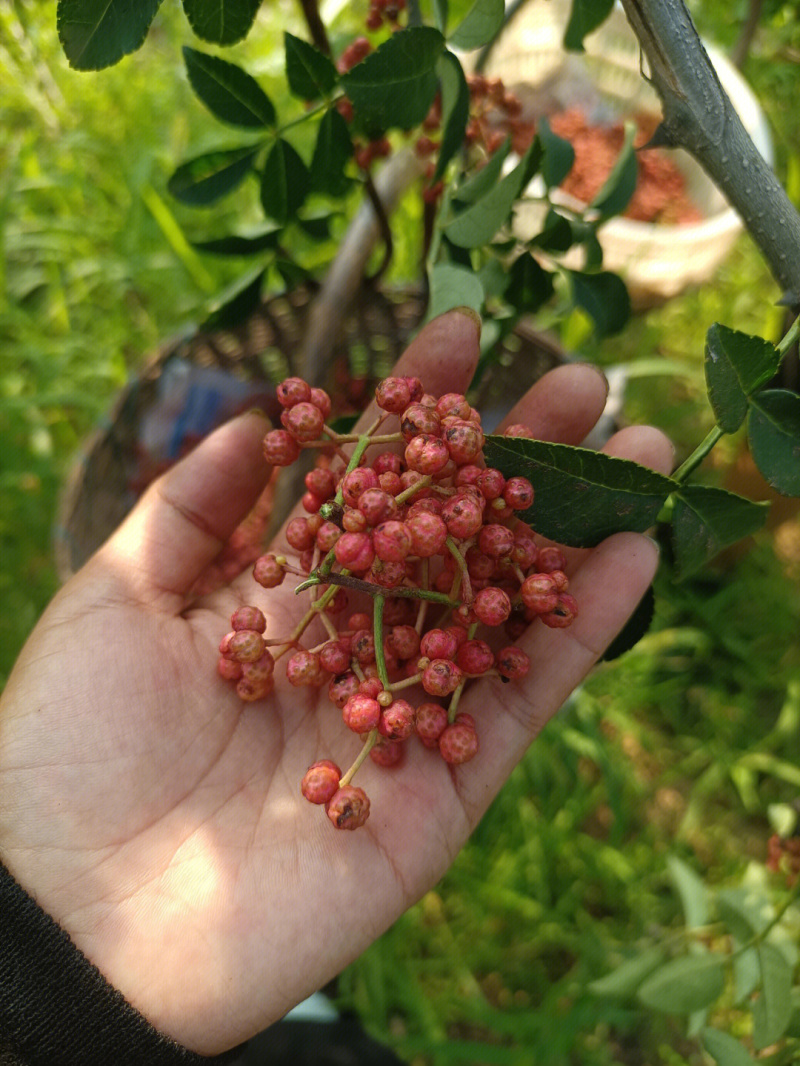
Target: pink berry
{"x": 356, "y": 482}
{"x": 495, "y": 540}
{"x": 334, "y": 657}
{"x": 353, "y": 521}
{"x": 480, "y": 566}
{"x": 327, "y": 536}
{"x": 248, "y": 618}
{"x": 463, "y": 516}
{"x": 458, "y": 633}
{"x": 348, "y": 808}
{"x": 403, "y": 641}
{"x": 518, "y": 430}
{"x": 539, "y": 593}
{"x": 453, "y": 403}
{"x": 361, "y": 713}
{"x": 391, "y": 541}
{"x": 492, "y": 606}
{"x": 268, "y": 572}
{"x": 321, "y": 781}
{"x": 525, "y": 550}
{"x": 391, "y": 483}
{"x": 518, "y": 493}
{"x": 431, "y": 722}
{"x": 563, "y": 614}
{"x": 245, "y": 646}
{"x": 464, "y": 442}
{"x": 322, "y": 400}
{"x": 311, "y": 502}
{"x": 387, "y": 463}
{"x": 299, "y": 535}
{"x": 354, "y": 551}
{"x": 321, "y": 482}
{"x": 512, "y": 662}
{"x": 418, "y": 419}
{"x": 371, "y": 686}
{"x": 280, "y": 448}
{"x": 377, "y": 505}
{"x": 441, "y": 677}
{"x": 250, "y": 691}
{"x": 458, "y": 743}
{"x": 292, "y": 391}
{"x": 393, "y": 395}
{"x": 341, "y": 688}
{"x": 438, "y": 644}
{"x": 397, "y": 720}
{"x": 303, "y": 669}
{"x": 491, "y": 484}
{"x": 475, "y": 657}
{"x": 426, "y": 454}
{"x": 362, "y": 646}
{"x": 261, "y": 669}
{"x": 304, "y": 421}
{"x": 359, "y": 620}
{"x": 415, "y": 387}
{"x": 386, "y": 752}
{"x": 551, "y": 559}
{"x": 387, "y": 575}
{"x": 229, "y": 669}
{"x": 428, "y": 534}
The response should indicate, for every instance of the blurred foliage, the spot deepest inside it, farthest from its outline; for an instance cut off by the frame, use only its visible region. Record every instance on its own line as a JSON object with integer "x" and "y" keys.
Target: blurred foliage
{"x": 679, "y": 747}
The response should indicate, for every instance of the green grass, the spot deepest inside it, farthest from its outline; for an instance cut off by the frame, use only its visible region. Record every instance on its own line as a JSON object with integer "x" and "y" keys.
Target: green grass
{"x": 678, "y": 748}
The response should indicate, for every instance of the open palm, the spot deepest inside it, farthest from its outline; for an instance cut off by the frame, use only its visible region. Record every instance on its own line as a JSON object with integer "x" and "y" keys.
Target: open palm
{"x": 159, "y": 819}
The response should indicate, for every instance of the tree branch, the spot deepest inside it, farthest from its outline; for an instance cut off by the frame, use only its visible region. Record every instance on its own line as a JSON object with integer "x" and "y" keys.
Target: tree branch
{"x": 699, "y": 117}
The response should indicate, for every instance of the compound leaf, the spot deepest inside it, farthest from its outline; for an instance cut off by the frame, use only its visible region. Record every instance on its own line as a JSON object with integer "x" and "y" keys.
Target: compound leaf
{"x": 454, "y": 286}
{"x": 559, "y": 155}
{"x": 624, "y": 981}
{"x": 206, "y": 178}
{"x": 220, "y": 21}
{"x": 604, "y": 298}
{"x": 455, "y": 110}
{"x": 482, "y": 219}
{"x": 332, "y": 151}
{"x": 706, "y": 520}
{"x": 736, "y": 365}
{"x": 310, "y": 74}
{"x": 98, "y": 33}
{"x": 725, "y": 1049}
{"x": 285, "y": 182}
{"x": 774, "y": 433}
{"x": 581, "y": 496}
{"x": 773, "y": 1008}
{"x": 586, "y": 16}
{"x": 480, "y": 25}
{"x": 685, "y": 984}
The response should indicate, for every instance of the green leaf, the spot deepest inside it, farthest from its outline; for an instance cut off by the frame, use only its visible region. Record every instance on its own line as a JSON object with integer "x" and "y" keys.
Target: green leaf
{"x": 685, "y": 984}
{"x": 725, "y": 1049}
{"x": 773, "y": 1008}
{"x": 624, "y": 981}
{"x": 581, "y": 496}
{"x": 221, "y": 21}
{"x": 692, "y": 891}
{"x": 453, "y": 286}
{"x": 481, "y": 25}
{"x": 310, "y": 74}
{"x": 440, "y": 14}
{"x": 620, "y": 185}
{"x": 479, "y": 184}
{"x": 236, "y": 305}
{"x": 235, "y": 245}
{"x": 744, "y": 911}
{"x": 481, "y": 220}
{"x": 774, "y": 433}
{"x": 332, "y": 150}
{"x": 98, "y": 33}
{"x": 227, "y": 91}
{"x": 557, "y": 234}
{"x": 206, "y": 178}
{"x": 559, "y": 155}
{"x": 604, "y": 298}
{"x": 285, "y": 182}
{"x": 455, "y": 110}
{"x": 586, "y": 15}
{"x": 634, "y": 629}
{"x": 530, "y": 285}
{"x": 395, "y": 85}
{"x": 746, "y": 974}
{"x": 706, "y": 520}
{"x": 736, "y": 365}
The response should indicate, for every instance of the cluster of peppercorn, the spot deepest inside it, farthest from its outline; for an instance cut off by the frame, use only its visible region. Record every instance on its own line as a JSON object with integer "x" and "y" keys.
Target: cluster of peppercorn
{"x": 413, "y": 518}
{"x": 783, "y": 856}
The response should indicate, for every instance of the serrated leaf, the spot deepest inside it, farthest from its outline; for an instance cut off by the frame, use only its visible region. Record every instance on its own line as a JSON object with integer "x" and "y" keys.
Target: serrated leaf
{"x": 480, "y": 25}
{"x": 773, "y": 1008}
{"x": 585, "y": 16}
{"x": 455, "y": 110}
{"x": 736, "y": 365}
{"x": 476, "y": 225}
{"x": 684, "y": 985}
{"x": 581, "y": 496}
{"x": 692, "y": 891}
{"x": 228, "y": 92}
{"x": 479, "y": 184}
{"x": 332, "y": 150}
{"x": 634, "y": 629}
{"x": 530, "y": 285}
{"x": 395, "y": 85}
{"x": 706, "y": 520}
{"x": 774, "y": 434}
{"x": 559, "y": 155}
{"x": 221, "y": 21}
{"x": 453, "y": 286}
{"x": 310, "y": 74}
{"x": 624, "y": 981}
{"x": 237, "y": 304}
{"x": 98, "y": 33}
{"x": 206, "y": 178}
{"x": 285, "y": 182}
{"x": 604, "y": 298}
{"x": 620, "y": 185}
{"x": 725, "y": 1049}
{"x": 236, "y": 245}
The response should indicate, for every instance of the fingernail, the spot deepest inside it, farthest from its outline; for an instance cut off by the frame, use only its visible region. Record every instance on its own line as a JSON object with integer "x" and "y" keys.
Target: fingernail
{"x": 597, "y": 370}
{"x": 258, "y": 412}
{"x": 473, "y": 316}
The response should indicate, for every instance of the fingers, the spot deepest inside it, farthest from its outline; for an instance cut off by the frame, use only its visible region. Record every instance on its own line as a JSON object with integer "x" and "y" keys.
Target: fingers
{"x": 563, "y": 405}
{"x": 184, "y": 518}
{"x": 608, "y": 586}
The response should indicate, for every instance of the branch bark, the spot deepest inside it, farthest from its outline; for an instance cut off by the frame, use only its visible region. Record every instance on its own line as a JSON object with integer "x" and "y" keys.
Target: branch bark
{"x": 699, "y": 117}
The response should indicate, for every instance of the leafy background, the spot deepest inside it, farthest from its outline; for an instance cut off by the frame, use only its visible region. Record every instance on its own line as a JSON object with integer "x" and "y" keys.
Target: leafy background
{"x": 685, "y": 747}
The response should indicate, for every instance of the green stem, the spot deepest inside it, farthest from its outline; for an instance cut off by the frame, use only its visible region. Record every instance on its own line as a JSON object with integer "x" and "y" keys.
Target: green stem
{"x": 377, "y": 629}
{"x": 323, "y": 106}
{"x": 698, "y": 455}
{"x": 791, "y": 336}
{"x": 367, "y": 746}
{"x": 403, "y": 591}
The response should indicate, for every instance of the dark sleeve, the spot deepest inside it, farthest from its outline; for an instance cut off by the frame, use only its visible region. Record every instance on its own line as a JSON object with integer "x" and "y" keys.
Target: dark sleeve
{"x": 57, "y": 1009}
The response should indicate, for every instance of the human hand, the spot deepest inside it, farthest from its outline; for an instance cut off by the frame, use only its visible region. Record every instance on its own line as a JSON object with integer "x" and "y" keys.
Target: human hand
{"x": 158, "y": 818}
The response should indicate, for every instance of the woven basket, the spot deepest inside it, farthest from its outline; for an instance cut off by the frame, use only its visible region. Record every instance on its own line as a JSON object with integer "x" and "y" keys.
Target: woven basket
{"x": 343, "y": 336}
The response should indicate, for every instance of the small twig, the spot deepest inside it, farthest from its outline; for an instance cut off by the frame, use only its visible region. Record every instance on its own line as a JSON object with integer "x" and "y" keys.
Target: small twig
{"x": 316, "y": 27}
{"x": 383, "y": 224}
